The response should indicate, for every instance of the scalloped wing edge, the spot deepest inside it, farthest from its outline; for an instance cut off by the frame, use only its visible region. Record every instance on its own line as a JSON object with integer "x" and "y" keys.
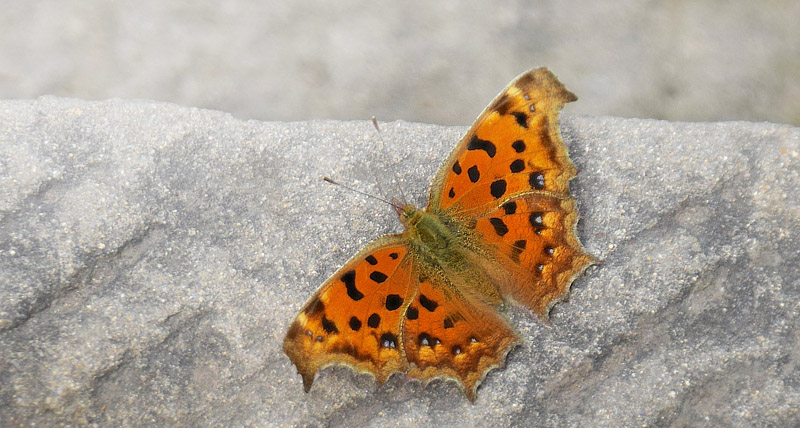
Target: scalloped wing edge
{"x": 307, "y": 368}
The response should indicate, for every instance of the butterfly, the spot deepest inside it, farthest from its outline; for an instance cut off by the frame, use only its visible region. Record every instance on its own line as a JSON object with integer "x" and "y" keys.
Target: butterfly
{"x": 499, "y": 226}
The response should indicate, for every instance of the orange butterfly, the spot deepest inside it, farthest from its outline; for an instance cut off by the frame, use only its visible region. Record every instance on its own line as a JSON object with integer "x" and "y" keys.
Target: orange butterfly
{"x": 500, "y": 224}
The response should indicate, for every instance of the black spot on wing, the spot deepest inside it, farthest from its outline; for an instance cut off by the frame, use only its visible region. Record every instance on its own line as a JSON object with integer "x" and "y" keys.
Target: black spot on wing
{"x": 500, "y": 227}
{"x": 522, "y": 119}
{"x": 536, "y": 220}
{"x": 518, "y": 146}
{"x": 329, "y": 326}
{"x": 393, "y": 301}
{"x": 412, "y": 313}
{"x": 355, "y": 324}
{"x": 517, "y": 166}
{"x": 536, "y": 180}
{"x": 498, "y": 188}
{"x": 388, "y": 340}
{"x": 457, "y": 168}
{"x": 371, "y": 260}
{"x": 374, "y": 320}
{"x": 487, "y": 146}
{"x": 378, "y": 277}
{"x": 424, "y": 339}
{"x": 474, "y": 174}
{"x": 427, "y": 303}
{"x": 349, "y": 279}
{"x": 510, "y": 207}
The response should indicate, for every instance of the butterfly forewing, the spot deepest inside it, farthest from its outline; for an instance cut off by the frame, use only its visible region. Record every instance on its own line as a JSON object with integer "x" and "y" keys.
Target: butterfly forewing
{"x": 513, "y": 147}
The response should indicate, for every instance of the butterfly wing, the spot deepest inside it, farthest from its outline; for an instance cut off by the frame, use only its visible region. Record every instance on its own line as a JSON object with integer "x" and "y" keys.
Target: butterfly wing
{"x": 447, "y": 335}
{"x": 513, "y": 147}
{"x": 536, "y": 246}
{"x": 509, "y": 176}
{"x": 356, "y": 316}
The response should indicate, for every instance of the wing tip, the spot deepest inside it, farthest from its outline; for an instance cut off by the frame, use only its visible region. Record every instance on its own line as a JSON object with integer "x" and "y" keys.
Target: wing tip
{"x": 544, "y": 79}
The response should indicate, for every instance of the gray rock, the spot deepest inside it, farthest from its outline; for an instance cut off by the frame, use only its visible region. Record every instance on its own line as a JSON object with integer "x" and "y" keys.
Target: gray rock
{"x": 152, "y": 257}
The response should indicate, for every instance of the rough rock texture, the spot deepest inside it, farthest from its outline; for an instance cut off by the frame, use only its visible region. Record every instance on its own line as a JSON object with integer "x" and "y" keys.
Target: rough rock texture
{"x": 152, "y": 256}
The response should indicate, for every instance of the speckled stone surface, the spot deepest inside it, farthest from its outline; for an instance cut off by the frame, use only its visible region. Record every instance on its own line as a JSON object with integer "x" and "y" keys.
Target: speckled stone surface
{"x": 152, "y": 257}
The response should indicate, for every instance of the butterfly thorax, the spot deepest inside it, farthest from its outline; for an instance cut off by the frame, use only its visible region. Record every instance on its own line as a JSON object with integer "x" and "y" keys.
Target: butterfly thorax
{"x": 426, "y": 229}
{"x": 442, "y": 248}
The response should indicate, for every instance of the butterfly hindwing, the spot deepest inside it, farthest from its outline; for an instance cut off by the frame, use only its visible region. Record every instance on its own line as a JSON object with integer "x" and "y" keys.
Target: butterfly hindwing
{"x": 446, "y": 335}
{"x": 534, "y": 238}
{"x": 514, "y": 146}
{"x": 355, "y": 317}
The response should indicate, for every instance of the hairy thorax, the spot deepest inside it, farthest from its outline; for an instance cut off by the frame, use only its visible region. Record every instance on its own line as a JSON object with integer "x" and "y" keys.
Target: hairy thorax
{"x": 444, "y": 246}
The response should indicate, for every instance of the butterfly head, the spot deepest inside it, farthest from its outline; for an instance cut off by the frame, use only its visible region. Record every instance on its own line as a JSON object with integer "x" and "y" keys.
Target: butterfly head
{"x": 409, "y": 214}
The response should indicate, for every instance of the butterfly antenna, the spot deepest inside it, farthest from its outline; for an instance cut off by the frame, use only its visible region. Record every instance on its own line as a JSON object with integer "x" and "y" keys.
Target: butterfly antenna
{"x": 369, "y": 195}
{"x": 383, "y": 149}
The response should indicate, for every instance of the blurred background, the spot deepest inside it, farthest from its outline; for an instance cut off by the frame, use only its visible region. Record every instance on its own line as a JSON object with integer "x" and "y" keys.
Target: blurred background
{"x": 426, "y": 61}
